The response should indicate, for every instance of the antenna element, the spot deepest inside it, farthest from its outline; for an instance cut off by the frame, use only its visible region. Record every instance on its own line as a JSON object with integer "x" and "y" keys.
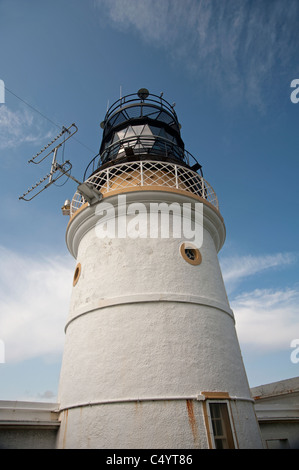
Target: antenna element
{"x": 57, "y": 170}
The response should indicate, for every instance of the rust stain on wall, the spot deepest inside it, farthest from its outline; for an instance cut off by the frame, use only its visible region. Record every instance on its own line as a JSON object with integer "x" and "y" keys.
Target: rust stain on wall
{"x": 138, "y": 405}
{"x": 192, "y": 421}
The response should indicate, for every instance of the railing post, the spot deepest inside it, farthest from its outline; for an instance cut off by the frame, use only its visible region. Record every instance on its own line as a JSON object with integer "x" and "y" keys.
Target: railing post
{"x": 176, "y": 176}
{"x": 187, "y": 157}
{"x": 141, "y": 173}
{"x": 107, "y": 179}
{"x": 203, "y": 188}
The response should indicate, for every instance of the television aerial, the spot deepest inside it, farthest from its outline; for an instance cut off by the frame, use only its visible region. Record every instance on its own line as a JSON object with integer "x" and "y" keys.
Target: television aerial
{"x": 58, "y": 170}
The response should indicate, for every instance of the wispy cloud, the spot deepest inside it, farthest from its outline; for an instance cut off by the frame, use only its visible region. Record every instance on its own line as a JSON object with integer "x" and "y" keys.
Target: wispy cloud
{"x": 34, "y": 302}
{"x": 237, "y": 268}
{"x": 19, "y": 127}
{"x": 233, "y": 46}
{"x": 267, "y": 319}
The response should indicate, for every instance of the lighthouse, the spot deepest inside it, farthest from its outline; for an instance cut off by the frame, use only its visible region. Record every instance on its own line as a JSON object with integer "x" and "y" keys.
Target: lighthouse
{"x": 151, "y": 356}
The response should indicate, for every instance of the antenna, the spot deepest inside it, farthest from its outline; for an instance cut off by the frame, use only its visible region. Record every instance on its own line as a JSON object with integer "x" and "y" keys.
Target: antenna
{"x": 64, "y": 169}
{"x": 59, "y": 169}
{"x": 64, "y": 130}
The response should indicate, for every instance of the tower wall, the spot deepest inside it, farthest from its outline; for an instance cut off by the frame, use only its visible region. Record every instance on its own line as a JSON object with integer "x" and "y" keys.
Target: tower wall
{"x": 150, "y": 339}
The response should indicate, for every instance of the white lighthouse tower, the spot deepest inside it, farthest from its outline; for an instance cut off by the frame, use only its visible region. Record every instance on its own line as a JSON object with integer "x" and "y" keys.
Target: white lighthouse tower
{"x": 151, "y": 356}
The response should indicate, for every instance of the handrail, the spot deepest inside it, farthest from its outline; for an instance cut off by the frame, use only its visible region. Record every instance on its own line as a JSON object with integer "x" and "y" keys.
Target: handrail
{"x": 143, "y": 145}
{"x": 118, "y": 104}
{"x": 148, "y": 173}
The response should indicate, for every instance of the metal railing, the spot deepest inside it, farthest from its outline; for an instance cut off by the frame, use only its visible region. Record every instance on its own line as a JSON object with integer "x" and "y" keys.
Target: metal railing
{"x": 147, "y": 174}
{"x": 133, "y": 99}
{"x": 141, "y": 145}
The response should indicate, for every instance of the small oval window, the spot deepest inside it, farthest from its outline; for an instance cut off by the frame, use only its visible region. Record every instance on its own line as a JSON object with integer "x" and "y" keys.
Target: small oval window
{"x": 77, "y": 274}
{"x": 190, "y": 253}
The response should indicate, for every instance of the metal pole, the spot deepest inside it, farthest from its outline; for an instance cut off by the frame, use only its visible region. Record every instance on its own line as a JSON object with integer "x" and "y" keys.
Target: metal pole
{"x": 53, "y": 164}
{"x": 176, "y": 176}
{"x": 107, "y": 179}
{"x": 141, "y": 174}
{"x": 203, "y": 189}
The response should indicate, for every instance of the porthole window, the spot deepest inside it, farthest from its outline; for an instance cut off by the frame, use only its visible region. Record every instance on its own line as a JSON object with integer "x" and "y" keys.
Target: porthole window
{"x": 190, "y": 253}
{"x": 77, "y": 274}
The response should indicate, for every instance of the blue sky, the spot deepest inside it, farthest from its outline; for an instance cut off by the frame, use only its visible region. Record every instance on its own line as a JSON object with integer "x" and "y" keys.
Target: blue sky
{"x": 228, "y": 66}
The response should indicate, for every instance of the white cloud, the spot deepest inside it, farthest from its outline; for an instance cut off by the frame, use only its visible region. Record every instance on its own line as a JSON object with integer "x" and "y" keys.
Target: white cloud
{"x": 236, "y": 269}
{"x": 35, "y": 296}
{"x": 233, "y": 46}
{"x": 267, "y": 319}
{"x": 34, "y": 302}
{"x": 19, "y": 127}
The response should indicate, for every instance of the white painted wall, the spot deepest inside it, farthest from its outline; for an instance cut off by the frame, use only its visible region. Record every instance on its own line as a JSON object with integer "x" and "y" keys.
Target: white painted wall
{"x": 147, "y": 332}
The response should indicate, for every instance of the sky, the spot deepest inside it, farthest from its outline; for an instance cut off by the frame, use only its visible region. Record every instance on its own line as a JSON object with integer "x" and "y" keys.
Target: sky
{"x": 228, "y": 66}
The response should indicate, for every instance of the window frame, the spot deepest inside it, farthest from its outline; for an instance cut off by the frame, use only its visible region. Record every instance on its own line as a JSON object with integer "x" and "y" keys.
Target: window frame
{"x": 197, "y": 254}
{"x": 77, "y": 274}
{"x": 210, "y": 424}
